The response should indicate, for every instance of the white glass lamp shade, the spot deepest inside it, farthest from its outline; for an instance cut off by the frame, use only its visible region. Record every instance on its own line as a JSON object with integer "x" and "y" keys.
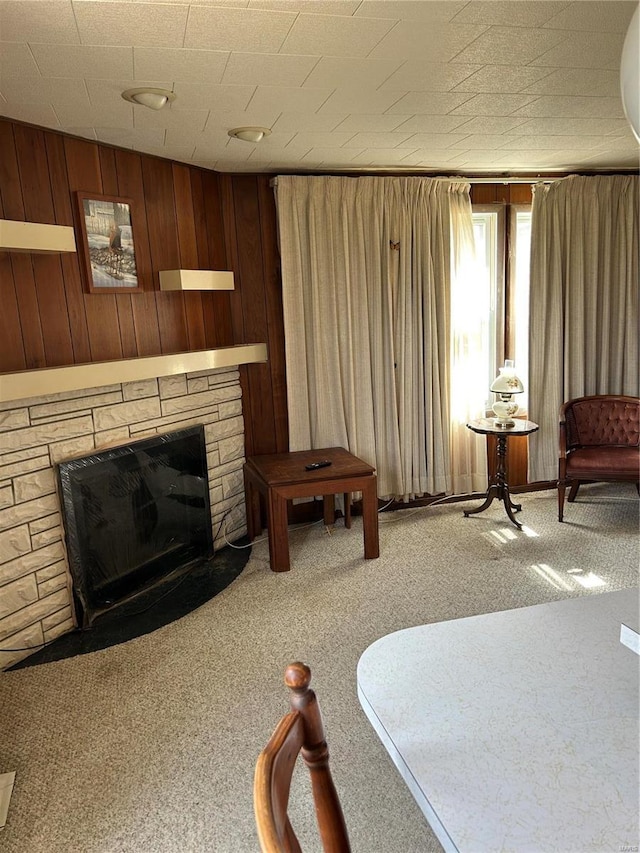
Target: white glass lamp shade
{"x": 505, "y": 386}
{"x": 630, "y": 74}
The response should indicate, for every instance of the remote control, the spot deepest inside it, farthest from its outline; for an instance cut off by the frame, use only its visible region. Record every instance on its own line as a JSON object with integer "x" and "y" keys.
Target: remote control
{"x": 312, "y": 466}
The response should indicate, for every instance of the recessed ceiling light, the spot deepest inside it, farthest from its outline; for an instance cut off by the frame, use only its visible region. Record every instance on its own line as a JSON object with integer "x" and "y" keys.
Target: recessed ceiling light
{"x": 250, "y": 134}
{"x": 155, "y": 99}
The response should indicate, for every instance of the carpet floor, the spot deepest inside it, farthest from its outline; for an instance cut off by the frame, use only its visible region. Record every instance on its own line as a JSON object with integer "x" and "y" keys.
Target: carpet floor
{"x": 150, "y": 746}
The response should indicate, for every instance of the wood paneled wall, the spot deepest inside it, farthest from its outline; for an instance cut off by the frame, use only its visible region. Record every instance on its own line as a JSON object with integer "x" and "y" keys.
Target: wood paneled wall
{"x": 48, "y": 318}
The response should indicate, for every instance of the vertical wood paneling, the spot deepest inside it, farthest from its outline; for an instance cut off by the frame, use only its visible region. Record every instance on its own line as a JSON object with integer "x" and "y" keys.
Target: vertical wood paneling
{"x": 70, "y": 271}
{"x": 274, "y": 310}
{"x": 188, "y": 252}
{"x": 163, "y": 242}
{"x": 217, "y": 306}
{"x": 21, "y": 266}
{"x": 12, "y": 353}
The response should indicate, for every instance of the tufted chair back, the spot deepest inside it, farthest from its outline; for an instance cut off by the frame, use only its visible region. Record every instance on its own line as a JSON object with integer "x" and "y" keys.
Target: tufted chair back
{"x": 598, "y": 441}
{"x": 603, "y": 420}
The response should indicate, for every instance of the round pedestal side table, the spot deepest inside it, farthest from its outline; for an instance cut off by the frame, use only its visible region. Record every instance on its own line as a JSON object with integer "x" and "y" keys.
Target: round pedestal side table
{"x": 499, "y": 487}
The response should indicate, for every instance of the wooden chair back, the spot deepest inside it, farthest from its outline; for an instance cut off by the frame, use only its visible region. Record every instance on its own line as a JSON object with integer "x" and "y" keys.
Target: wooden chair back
{"x": 299, "y": 732}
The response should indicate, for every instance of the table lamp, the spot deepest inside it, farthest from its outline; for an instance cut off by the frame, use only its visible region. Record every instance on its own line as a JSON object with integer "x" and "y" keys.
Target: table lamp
{"x": 505, "y": 386}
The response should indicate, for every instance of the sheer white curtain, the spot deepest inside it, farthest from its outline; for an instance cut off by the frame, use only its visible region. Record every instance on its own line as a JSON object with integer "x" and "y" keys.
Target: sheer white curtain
{"x": 366, "y": 271}
{"x": 583, "y": 331}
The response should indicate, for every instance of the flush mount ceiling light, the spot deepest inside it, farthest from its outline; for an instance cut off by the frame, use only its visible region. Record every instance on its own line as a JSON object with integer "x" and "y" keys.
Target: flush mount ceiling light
{"x": 250, "y": 134}
{"x": 155, "y": 99}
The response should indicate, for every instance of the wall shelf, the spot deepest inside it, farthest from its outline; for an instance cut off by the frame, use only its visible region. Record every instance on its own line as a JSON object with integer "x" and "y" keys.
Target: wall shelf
{"x": 53, "y": 380}
{"x": 16, "y": 236}
{"x": 196, "y": 280}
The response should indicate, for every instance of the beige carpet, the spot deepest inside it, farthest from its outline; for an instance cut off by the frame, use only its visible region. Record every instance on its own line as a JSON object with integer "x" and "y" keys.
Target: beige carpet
{"x": 149, "y": 747}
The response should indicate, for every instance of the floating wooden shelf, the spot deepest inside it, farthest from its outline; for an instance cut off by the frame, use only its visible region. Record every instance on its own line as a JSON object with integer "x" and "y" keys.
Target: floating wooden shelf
{"x": 16, "y": 236}
{"x": 195, "y": 280}
{"x": 53, "y": 380}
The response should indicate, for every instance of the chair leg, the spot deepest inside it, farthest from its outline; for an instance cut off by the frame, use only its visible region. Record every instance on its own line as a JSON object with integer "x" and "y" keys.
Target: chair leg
{"x": 561, "y": 490}
{"x": 573, "y": 491}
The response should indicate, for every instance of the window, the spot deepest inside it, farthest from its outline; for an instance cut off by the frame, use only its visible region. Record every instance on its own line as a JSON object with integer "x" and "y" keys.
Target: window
{"x": 505, "y": 301}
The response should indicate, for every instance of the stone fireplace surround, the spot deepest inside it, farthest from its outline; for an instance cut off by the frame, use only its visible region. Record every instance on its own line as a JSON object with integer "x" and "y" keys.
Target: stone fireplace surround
{"x": 36, "y": 433}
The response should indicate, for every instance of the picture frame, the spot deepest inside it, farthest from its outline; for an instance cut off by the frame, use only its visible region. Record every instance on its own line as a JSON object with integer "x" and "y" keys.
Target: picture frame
{"x": 108, "y": 243}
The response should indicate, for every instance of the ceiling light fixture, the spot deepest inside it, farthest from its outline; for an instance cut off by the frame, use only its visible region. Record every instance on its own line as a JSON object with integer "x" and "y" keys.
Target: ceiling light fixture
{"x": 250, "y": 134}
{"x": 155, "y": 99}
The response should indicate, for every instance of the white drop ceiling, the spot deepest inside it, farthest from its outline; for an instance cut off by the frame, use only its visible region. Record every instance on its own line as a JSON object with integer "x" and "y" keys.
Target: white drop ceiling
{"x": 497, "y": 87}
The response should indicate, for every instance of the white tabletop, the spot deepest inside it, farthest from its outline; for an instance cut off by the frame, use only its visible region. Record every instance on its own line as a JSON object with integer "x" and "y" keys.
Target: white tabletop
{"x": 515, "y": 731}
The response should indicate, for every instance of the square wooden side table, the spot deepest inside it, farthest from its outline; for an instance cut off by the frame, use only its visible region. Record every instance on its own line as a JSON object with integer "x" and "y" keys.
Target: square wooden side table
{"x": 280, "y": 477}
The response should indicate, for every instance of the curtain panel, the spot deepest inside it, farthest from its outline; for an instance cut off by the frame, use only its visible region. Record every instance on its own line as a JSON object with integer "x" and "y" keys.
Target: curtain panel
{"x": 366, "y": 272}
{"x": 583, "y": 332}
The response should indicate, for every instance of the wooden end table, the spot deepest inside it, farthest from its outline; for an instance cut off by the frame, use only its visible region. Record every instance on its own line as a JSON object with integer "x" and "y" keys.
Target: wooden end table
{"x": 499, "y": 488}
{"x": 280, "y": 477}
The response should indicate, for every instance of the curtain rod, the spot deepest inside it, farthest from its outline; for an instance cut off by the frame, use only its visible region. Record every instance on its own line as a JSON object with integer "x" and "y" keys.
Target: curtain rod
{"x": 457, "y": 178}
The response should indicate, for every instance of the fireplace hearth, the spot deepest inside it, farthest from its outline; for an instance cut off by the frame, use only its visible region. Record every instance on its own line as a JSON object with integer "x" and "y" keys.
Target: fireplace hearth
{"x": 134, "y": 516}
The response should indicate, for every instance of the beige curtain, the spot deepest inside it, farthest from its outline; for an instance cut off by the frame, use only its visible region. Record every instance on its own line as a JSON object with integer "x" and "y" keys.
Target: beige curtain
{"x": 583, "y": 332}
{"x": 366, "y": 293}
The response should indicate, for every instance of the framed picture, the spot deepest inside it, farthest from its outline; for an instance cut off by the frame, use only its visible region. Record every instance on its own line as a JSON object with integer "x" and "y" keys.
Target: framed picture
{"x": 108, "y": 243}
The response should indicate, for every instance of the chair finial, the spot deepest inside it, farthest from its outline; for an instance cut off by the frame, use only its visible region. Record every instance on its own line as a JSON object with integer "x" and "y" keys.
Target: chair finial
{"x": 297, "y": 676}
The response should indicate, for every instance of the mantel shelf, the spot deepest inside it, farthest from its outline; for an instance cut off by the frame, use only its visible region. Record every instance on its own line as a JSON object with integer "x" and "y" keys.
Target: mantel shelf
{"x": 17, "y": 236}
{"x": 53, "y": 380}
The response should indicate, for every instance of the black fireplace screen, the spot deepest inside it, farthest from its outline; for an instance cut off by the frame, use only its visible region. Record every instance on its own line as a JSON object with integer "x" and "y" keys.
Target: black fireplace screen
{"x": 134, "y": 515}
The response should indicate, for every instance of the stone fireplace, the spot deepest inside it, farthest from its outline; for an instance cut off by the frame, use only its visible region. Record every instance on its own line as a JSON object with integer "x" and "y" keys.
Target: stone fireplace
{"x": 36, "y": 433}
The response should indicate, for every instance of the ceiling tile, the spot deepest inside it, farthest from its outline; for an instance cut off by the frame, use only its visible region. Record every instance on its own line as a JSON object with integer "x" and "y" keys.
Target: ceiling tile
{"x": 316, "y": 7}
{"x": 129, "y": 136}
{"x": 526, "y": 13}
{"x": 360, "y": 100}
{"x": 493, "y": 105}
{"x": 602, "y": 17}
{"x": 195, "y": 96}
{"x": 247, "y": 30}
{"x": 331, "y": 35}
{"x": 301, "y": 121}
{"x": 192, "y": 121}
{"x": 432, "y": 158}
{"x": 16, "y": 59}
{"x": 42, "y": 114}
{"x": 532, "y": 143}
{"x": 37, "y": 90}
{"x": 570, "y": 126}
{"x": 481, "y": 157}
{"x": 264, "y": 69}
{"x": 503, "y": 79}
{"x": 560, "y": 107}
{"x": 303, "y": 142}
{"x": 418, "y": 76}
{"x": 383, "y": 140}
{"x": 335, "y": 71}
{"x": 391, "y": 155}
{"x": 289, "y": 99}
{"x": 434, "y": 140}
{"x": 482, "y": 141}
{"x": 435, "y": 104}
{"x": 104, "y": 93}
{"x": 519, "y": 46}
{"x": 489, "y": 124}
{"x": 432, "y": 123}
{"x": 378, "y": 123}
{"x": 435, "y": 11}
{"x": 80, "y": 60}
{"x": 576, "y": 81}
{"x": 111, "y": 114}
{"x": 439, "y": 42}
{"x": 320, "y": 155}
{"x": 38, "y": 21}
{"x": 586, "y": 50}
{"x": 137, "y": 24}
{"x": 179, "y": 65}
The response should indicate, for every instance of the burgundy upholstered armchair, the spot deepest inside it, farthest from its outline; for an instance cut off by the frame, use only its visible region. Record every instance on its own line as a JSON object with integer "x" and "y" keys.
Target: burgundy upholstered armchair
{"x": 598, "y": 441}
